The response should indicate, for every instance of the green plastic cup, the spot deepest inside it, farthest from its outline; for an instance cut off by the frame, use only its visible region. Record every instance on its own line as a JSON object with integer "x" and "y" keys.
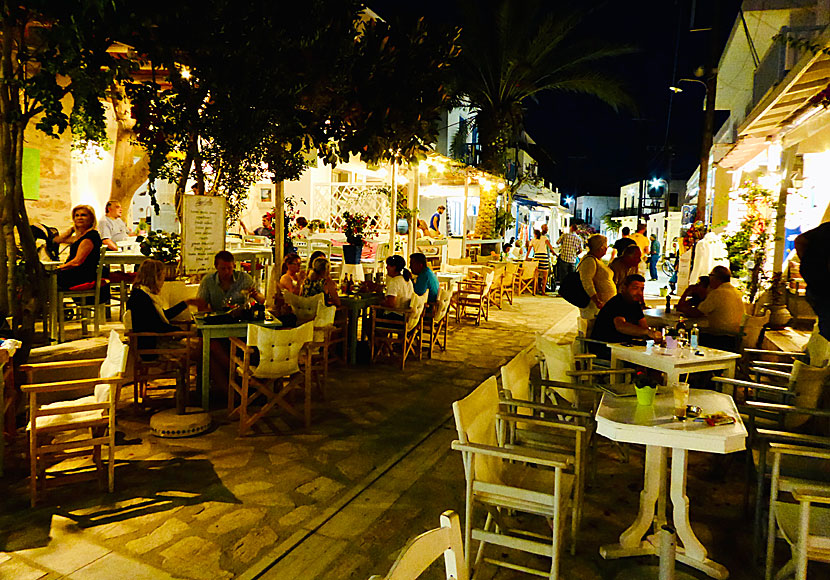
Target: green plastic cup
{"x": 645, "y": 395}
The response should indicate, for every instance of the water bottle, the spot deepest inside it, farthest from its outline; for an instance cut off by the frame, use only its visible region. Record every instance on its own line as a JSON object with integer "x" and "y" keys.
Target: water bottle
{"x": 693, "y": 339}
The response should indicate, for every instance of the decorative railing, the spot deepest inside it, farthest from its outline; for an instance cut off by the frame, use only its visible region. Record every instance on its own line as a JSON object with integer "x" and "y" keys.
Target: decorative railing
{"x": 332, "y": 199}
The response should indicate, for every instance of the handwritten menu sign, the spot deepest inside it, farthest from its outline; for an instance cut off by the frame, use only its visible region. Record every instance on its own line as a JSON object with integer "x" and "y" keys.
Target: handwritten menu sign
{"x": 203, "y": 232}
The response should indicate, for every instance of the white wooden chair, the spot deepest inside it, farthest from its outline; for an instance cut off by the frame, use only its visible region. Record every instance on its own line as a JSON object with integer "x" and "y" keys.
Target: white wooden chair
{"x": 305, "y": 308}
{"x": 385, "y": 333}
{"x": 527, "y": 278}
{"x": 805, "y": 525}
{"x": 557, "y": 429}
{"x": 276, "y": 375}
{"x": 379, "y": 263}
{"x": 80, "y": 295}
{"x": 422, "y": 551}
{"x": 65, "y": 429}
{"x": 502, "y": 478}
{"x": 436, "y": 322}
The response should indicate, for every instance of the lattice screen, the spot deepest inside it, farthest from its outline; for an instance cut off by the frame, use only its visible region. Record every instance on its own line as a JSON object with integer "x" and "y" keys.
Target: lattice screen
{"x": 332, "y": 199}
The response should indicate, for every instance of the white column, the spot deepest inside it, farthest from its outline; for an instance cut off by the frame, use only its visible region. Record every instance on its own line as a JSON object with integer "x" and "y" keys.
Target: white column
{"x": 464, "y": 216}
{"x": 393, "y": 201}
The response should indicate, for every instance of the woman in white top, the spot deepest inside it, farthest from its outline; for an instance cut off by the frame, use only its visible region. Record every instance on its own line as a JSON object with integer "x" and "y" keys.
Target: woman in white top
{"x": 539, "y": 245}
{"x": 399, "y": 289}
{"x": 596, "y": 277}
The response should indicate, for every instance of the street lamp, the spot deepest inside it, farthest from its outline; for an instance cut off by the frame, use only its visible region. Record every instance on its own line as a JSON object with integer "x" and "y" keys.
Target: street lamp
{"x": 676, "y": 89}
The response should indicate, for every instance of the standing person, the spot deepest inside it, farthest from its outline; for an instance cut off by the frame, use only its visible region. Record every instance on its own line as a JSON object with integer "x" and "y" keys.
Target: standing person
{"x": 653, "y": 257}
{"x": 539, "y": 246}
{"x": 226, "y": 287}
{"x": 625, "y": 264}
{"x": 641, "y": 240}
{"x": 622, "y": 243}
{"x": 570, "y": 246}
{"x": 112, "y": 228}
{"x": 267, "y": 227}
{"x": 84, "y": 249}
{"x": 596, "y": 277}
{"x": 435, "y": 221}
{"x": 811, "y": 247}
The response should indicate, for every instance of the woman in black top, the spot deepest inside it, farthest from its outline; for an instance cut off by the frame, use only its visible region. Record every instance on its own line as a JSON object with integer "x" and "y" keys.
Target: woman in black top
{"x": 146, "y": 310}
{"x": 84, "y": 249}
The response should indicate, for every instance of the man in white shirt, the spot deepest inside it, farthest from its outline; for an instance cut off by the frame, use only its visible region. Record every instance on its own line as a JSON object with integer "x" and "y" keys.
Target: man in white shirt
{"x": 723, "y": 309}
{"x": 111, "y": 227}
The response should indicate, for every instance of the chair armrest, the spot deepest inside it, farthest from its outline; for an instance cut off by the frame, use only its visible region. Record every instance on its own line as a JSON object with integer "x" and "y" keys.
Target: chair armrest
{"x": 751, "y": 385}
{"x": 64, "y": 364}
{"x": 544, "y": 408}
{"x": 812, "y": 493}
{"x": 749, "y": 406}
{"x": 540, "y": 422}
{"x": 69, "y": 385}
{"x": 770, "y": 372}
{"x": 799, "y": 450}
{"x": 376, "y": 307}
{"x": 584, "y": 356}
{"x": 772, "y": 365}
{"x": 778, "y": 437}
{"x": 548, "y": 384}
{"x": 239, "y": 343}
{"x": 174, "y": 334}
{"x": 600, "y": 372}
{"x": 773, "y": 352}
{"x": 535, "y": 456}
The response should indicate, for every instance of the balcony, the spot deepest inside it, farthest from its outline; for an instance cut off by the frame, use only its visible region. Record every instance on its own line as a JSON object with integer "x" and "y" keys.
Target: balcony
{"x": 779, "y": 60}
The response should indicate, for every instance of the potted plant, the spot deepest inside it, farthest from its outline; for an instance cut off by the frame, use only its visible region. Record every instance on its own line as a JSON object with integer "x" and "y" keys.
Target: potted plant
{"x": 354, "y": 226}
{"x": 164, "y": 247}
{"x": 645, "y": 387}
{"x": 317, "y": 225}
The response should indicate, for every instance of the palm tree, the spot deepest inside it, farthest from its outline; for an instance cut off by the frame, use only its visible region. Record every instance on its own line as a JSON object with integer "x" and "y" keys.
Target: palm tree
{"x": 512, "y": 50}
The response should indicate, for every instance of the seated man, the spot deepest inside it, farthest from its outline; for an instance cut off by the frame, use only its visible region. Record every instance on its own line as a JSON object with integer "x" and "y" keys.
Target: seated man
{"x": 622, "y": 318}
{"x": 693, "y": 295}
{"x": 425, "y": 281}
{"x": 723, "y": 309}
{"x": 225, "y": 287}
{"x": 111, "y": 227}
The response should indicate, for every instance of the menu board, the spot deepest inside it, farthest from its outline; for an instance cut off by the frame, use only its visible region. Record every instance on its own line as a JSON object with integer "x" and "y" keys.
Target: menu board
{"x": 203, "y": 232}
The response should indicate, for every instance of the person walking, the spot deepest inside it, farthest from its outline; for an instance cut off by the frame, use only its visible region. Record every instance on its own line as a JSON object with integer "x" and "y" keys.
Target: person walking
{"x": 570, "y": 246}
{"x": 653, "y": 257}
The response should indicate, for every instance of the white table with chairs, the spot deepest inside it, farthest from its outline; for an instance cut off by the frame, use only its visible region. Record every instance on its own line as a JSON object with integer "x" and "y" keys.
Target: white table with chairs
{"x": 674, "y": 364}
{"x": 622, "y": 419}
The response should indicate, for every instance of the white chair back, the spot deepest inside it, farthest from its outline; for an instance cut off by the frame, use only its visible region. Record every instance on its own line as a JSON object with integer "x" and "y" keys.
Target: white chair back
{"x": 475, "y": 421}
{"x": 279, "y": 349}
{"x": 558, "y": 362}
{"x": 416, "y": 309}
{"x": 442, "y": 305}
{"x": 304, "y": 307}
{"x": 323, "y": 320}
{"x": 515, "y": 375}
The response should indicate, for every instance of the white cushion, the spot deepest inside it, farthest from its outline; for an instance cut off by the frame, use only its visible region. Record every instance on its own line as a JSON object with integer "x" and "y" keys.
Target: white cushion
{"x": 304, "y": 308}
{"x": 69, "y": 418}
{"x": 279, "y": 349}
{"x": 114, "y": 364}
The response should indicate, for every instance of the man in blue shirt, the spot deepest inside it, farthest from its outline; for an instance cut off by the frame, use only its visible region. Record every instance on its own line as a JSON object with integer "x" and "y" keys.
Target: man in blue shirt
{"x": 435, "y": 221}
{"x": 425, "y": 278}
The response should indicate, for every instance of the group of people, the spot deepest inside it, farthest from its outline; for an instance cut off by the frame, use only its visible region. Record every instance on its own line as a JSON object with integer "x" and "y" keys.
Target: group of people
{"x": 568, "y": 247}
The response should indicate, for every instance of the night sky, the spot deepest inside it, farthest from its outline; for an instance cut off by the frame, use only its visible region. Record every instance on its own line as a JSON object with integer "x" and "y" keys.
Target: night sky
{"x": 592, "y": 148}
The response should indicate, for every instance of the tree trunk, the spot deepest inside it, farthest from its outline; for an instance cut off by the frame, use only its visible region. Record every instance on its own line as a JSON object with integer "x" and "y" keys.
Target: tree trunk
{"x": 486, "y": 218}
{"x": 190, "y": 155}
{"x": 127, "y": 176}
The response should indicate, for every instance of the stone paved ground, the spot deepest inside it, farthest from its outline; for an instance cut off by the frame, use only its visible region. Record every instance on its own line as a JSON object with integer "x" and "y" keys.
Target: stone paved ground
{"x": 339, "y": 500}
{"x": 215, "y": 506}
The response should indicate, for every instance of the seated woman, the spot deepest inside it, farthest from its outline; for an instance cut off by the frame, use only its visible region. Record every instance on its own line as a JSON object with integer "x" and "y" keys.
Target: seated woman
{"x": 693, "y": 295}
{"x": 399, "y": 289}
{"x": 84, "y": 249}
{"x": 291, "y": 277}
{"x": 146, "y": 309}
{"x": 319, "y": 281}
{"x": 423, "y": 230}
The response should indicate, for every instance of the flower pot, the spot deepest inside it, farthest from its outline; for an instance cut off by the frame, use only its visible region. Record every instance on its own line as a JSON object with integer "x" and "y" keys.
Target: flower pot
{"x": 403, "y": 226}
{"x": 645, "y": 395}
{"x": 779, "y": 316}
{"x": 351, "y": 254}
{"x": 171, "y": 270}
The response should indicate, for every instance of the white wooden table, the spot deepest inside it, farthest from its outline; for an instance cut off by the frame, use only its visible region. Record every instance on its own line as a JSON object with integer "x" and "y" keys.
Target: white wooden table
{"x": 621, "y": 419}
{"x": 682, "y": 362}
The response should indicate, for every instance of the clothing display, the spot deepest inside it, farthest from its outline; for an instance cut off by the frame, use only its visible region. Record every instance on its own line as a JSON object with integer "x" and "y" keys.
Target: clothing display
{"x": 709, "y": 252}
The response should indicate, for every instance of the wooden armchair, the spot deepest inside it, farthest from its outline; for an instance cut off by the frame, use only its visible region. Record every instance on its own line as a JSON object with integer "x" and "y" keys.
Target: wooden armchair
{"x": 81, "y": 427}
{"x": 508, "y": 285}
{"x": 275, "y": 376}
{"x": 503, "y": 478}
{"x": 526, "y": 281}
{"x": 496, "y": 294}
{"x": 472, "y": 298}
{"x": 436, "y": 321}
{"x": 406, "y": 330}
{"x": 158, "y": 358}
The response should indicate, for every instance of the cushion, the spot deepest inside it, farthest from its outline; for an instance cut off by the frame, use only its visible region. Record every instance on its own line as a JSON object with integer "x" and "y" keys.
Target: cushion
{"x": 808, "y": 383}
{"x": 818, "y": 349}
{"x": 68, "y": 418}
{"x": 279, "y": 349}
{"x": 304, "y": 308}
{"x": 442, "y": 304}
{"x": 87, "y": 286}
{"x": 416, "y": 309}
{"x": 324, "y": 319}
{"x": 114, "y": 364}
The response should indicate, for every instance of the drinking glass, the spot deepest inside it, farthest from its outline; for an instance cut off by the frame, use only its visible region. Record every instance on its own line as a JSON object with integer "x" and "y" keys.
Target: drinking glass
{"x": 681, "y": 399}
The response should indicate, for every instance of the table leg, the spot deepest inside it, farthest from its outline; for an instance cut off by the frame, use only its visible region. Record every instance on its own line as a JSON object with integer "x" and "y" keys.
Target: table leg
{"x": 53, "y": 310}
{"x": 693, "y": 552}
{"x": 654, "y": 482}
{"x": 205, "y": 370}
{"x": 729, "y": 371}
{"x": 354, "y": 313}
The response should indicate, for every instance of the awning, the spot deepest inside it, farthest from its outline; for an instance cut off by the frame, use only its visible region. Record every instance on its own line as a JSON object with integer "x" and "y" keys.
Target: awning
{"x": 786, "y": 106}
